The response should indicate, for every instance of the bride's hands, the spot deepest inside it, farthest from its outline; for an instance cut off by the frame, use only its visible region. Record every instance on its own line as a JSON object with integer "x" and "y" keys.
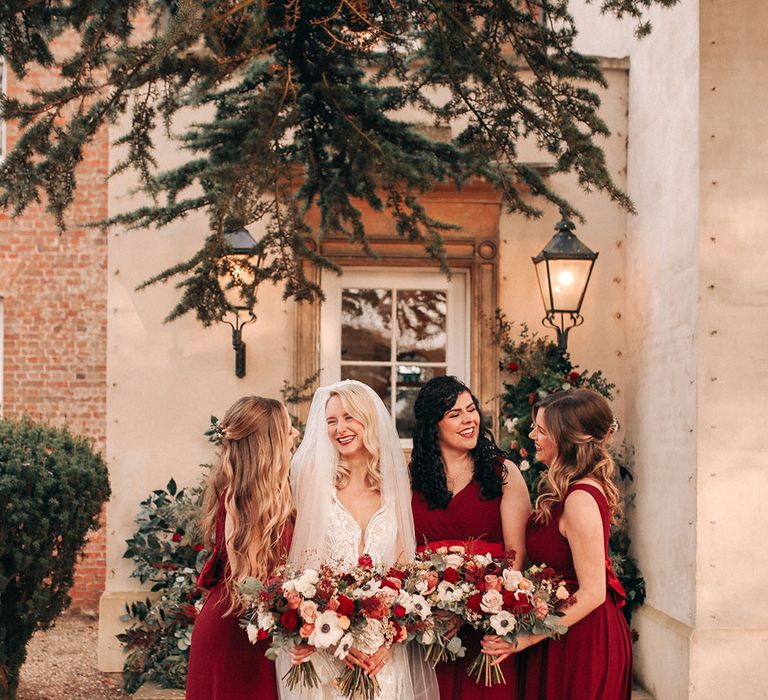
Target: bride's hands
{"x": 376, "y": 661}
{"x": 355, "y": 657}
{"x": 300, "y": 653}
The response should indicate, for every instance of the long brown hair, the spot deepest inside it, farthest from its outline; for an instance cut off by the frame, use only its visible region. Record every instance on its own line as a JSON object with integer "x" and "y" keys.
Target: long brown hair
{"x": 253, "y": 471}
{"x": 580, "y": 423}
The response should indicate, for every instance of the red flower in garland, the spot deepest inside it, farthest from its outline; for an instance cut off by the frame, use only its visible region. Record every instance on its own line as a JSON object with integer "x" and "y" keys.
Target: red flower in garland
{"x": 198, "y": 548}
{"x": 574, "y": 377}
{"x": 513, "y": 366}
{"x": 365, "y": 560}
{"x": 176, "y": 537}
{"x": 531, "y": 398}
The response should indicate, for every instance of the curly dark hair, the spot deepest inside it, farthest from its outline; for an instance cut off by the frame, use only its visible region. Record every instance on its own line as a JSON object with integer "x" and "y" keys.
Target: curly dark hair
{"x": 437, "y": 397}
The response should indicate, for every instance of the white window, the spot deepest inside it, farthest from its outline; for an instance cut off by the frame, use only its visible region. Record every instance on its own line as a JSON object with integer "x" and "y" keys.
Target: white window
{"x": 394, "y": 330}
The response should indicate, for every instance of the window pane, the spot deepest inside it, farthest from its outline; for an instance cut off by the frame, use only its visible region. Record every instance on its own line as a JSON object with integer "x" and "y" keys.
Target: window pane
{"x": 421, "y": 325}
{"x": 410, "y": 379}
{"x": 366, "y": 324}
{"x": 378, "y": 378}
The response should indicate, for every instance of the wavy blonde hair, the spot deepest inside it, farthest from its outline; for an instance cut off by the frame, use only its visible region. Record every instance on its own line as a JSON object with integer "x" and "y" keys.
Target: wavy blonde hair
{"x": 358, "y": 404}
{"x": 580, "y": 423}
{"x": 253, "y": 473}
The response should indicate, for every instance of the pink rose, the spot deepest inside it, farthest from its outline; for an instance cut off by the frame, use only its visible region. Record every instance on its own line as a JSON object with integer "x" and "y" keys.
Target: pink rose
{"x": 306, "y": 629}
{"x": 294, "y": 600}
{"x": 308, "y": 610}
{"x": 492, "y": 582}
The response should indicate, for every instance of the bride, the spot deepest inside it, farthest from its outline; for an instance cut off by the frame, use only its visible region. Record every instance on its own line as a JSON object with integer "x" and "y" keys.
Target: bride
{"x": 352, "y": 495}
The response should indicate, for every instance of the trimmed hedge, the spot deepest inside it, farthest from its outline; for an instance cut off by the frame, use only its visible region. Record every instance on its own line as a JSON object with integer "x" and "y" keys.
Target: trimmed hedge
{"x": 52, "y": 488}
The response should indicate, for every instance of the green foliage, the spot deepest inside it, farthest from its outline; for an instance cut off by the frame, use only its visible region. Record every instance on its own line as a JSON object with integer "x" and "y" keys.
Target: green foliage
{"x": 52, "y": 488}
{"x": 168, "y": 552}
{"x": 534, "y": 367}
{"x": 302, "y": 105}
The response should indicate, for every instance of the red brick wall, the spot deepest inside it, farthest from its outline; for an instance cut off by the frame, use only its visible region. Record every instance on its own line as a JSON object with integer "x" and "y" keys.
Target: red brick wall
{"x": 54, "y": 288}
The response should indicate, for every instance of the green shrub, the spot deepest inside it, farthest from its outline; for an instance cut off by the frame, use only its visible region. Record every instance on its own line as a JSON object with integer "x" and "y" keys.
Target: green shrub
{"x": 52, "y": 488}
{"x": 533, "y": 367}
{"x": 168, "y": 552}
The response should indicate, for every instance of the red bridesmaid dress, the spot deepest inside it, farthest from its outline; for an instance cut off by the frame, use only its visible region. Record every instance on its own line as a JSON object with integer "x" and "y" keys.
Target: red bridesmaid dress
{"x": 593, "y": 660}
{"x": 223, "y": 664}
{"x": 466, "y": 520}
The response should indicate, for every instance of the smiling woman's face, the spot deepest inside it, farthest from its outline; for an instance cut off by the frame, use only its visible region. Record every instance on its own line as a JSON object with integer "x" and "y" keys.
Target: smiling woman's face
{"x": 459, "y": 427}
{"x": 546, "y": 449}
{"x": 344, "y": 431}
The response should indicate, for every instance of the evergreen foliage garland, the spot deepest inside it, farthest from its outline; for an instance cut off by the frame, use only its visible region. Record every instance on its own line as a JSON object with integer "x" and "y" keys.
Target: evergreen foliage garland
{"x": 52, "y": 488}
{"x": 298, "y": 106}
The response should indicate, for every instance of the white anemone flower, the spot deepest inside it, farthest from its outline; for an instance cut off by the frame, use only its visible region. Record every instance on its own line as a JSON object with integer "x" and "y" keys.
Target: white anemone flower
{"x": 448, "y": 592}
{"x": 327, "y": 630}
{"x": 266, "y": 621}
{"x": 420, "y": 606}
{"x": 343, "y": 647}
{"x": 503, "y": 623}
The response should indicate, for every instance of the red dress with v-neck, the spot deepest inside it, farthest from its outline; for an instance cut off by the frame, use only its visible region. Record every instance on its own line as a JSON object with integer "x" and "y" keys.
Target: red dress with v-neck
{"x": 593, "y": 660}
{"x": 223, "y": 664}
{"x": 466, "y": 519}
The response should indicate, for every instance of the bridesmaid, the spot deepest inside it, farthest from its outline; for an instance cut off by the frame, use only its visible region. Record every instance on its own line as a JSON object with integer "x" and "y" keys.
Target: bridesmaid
{"x": 246, "y": 514}
{"x": 569, "y": 531}
{"x": 465, "y": 490}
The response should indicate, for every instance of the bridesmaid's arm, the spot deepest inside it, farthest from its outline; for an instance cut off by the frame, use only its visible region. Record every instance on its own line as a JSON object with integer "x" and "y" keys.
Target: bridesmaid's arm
{"x": 582, "y": 525}
{"x": 515, "y": 511}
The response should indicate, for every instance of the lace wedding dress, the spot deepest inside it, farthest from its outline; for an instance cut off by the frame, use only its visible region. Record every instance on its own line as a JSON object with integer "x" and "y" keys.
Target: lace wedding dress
{"x": 343, "y": 539}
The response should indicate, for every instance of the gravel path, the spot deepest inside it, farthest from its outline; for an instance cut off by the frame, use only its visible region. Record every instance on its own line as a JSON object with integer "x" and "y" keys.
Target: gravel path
{"x": 61, "y": 664}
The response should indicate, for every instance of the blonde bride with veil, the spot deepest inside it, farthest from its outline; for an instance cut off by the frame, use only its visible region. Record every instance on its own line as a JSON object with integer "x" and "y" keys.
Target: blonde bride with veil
{"x": 352, "y": 494}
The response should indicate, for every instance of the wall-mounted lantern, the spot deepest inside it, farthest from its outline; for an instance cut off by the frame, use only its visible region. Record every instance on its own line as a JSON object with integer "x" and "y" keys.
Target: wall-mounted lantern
{"x": 563, "y": 269}
{"x": 235, "y": 273}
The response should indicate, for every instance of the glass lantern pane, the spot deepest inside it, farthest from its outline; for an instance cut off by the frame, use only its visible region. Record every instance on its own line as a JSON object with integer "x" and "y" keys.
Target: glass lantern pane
{"x": 421, "y": 325}
{"x": 366, "y": 324}
{"x": 541, "y": 276}
{"x": 569, "y": 279}
{"x": 410, "y": 379}
{"x": 378, "y": 378}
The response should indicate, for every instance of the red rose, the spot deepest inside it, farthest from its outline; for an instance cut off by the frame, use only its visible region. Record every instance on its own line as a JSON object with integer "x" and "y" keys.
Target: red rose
{"x": 493, "y": 569}
{"x": 198, "y": 548}
{"x": 513, "y": 366}
{"x": 451, "y": 575}
{"x": 290, "y": 620}
{"x": 574, "y": 377}
{"x": 399, "y": 611}
{"x": 517, "y": 603}
{"x": 473, "y": 603}
{"x": 261, "y": 635}
{"x": 176, "y": 537}
{"x": 547, "y": 573}
{"x": 394, "y": 583}
{"x": 396, "y": 573}
{"x": 365, "y": 560}
{"x": 346, "y": 606}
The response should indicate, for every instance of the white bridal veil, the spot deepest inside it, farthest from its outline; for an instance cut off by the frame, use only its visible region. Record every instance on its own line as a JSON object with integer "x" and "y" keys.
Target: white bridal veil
{"x": 313, "y": 476}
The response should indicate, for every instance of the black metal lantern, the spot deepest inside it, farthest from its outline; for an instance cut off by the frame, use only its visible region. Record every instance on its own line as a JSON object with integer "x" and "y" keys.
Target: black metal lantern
{"x": 235, "y": 273}
{"x": 563, "y": 269}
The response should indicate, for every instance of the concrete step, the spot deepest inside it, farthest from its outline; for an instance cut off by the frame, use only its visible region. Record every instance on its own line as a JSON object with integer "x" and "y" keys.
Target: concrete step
{"x": 150, "y": 691}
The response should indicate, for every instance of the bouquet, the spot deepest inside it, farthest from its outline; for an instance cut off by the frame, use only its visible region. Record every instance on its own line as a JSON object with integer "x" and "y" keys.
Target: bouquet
{"x": 513, "y": 604}
{"x": 328, "y": 609}
{"x": 424, "y": 595}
